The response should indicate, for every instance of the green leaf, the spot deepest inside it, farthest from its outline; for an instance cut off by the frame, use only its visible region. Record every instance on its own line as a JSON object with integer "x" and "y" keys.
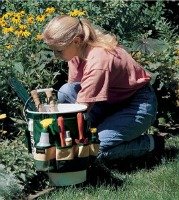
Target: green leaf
{"x": 19, "y": 121}
{"x": 18, "y": 67}
{"x": 149, "y": 45}
{"x": 2, "y": 63}
{"x": 42, "y": 66}
{"x": 22, "y": 176}
{"x": 153, "y": 78}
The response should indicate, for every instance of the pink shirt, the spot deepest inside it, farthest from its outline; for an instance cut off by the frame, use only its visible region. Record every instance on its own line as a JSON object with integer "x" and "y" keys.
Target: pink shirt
{"x": 104, "y": 76}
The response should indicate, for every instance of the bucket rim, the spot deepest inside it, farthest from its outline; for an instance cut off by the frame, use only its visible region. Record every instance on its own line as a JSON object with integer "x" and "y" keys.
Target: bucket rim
{"x": 64, "y": 108}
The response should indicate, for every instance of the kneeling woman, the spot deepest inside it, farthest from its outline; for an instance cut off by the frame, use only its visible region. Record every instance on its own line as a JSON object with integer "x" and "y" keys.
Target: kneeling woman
{"x": 121, "y": 102}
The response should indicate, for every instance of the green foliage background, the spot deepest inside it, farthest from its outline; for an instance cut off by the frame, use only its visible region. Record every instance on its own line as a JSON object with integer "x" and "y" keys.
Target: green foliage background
{"x": 142, "y": 28}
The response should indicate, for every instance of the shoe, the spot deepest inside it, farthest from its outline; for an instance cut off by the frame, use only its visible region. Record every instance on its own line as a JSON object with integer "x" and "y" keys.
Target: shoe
{"x": 157, "y": 153}
{"x": 159, "y": 144}
{"x": 154, "y": 157}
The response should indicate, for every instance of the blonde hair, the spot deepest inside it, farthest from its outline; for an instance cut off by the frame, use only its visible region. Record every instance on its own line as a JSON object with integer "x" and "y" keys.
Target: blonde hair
{"x": 61, "y": 30}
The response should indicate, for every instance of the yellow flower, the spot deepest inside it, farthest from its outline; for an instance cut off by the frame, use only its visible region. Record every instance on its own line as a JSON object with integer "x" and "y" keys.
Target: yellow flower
{"x": 40, "y": 18}
{"x": 137, "y": 55}
{"x": 177, "y": 52}
{"x": 2, "y": 22}
{"x": 16, "y": 19}
{"x": 77, "y": 13}
{"x": 3, "y": 116}
{"x": 10, "y": 13}
{"x": 22, "y": 33}
{"x": 18, "y": 14}
{"x": 25, "y": 33}
{"x": 93, "y": 130}
{"x": 7, "y": 30}
{"x": 9, "y": 46}
{"x": 30, "y": 19}
{"x": 176, "y": 62}
{"x": 5, "y": 16}
{"x": 46, "y": 122}
{"x": 17, "y": 33}
{"x": 22, "y": 27}
{"x": 39, "y": 37}
{"x": 50, "y": 10}
{"x": 21, "y": 13}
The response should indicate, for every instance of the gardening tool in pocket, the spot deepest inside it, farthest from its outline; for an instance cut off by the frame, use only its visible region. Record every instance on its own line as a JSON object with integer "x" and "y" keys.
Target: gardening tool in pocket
{"x": 94, "y": 142}
{"x": 82, "y": 147}
{"x": 62, "y": 130}
{"x": 64, "y": 152}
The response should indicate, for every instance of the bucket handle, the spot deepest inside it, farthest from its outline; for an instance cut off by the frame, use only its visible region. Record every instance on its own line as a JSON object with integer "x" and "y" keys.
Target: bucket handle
{"x": 25, "y": 107}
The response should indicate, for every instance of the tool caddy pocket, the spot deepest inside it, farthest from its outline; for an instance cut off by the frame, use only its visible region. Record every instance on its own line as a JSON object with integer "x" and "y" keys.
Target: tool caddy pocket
{"x": 44, "y": 144}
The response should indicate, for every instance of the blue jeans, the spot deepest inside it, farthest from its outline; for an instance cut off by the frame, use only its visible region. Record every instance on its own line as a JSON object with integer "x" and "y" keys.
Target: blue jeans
{"x": 121, "y": 127}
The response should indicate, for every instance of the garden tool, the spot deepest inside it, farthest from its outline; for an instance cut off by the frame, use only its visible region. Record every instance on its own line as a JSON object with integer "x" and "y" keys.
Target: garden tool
{"x": 94, "y": 133}
{"x": 62, "y": 130}
{"x": 22, "y": 93}
{"x": 50, "y": 101}
{"x": 80, "y": 122}
{"x": 36, "y": 99}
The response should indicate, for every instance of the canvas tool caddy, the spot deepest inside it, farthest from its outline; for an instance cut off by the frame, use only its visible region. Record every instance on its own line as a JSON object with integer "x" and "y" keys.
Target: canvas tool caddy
{"x": 60, "y": 138}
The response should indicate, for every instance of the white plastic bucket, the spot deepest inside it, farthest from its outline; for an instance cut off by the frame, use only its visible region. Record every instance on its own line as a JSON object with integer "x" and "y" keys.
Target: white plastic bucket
{"x": 67, "y": 178}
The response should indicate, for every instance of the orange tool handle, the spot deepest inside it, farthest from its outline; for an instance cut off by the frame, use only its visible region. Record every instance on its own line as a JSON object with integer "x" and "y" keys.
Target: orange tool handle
{"x": 80, "y": 122}
{"x": 61, "y": 124}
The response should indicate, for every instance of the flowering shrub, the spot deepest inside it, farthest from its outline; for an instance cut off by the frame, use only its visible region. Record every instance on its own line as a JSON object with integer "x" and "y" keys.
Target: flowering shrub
{"x": 21, "y": 38}
{"x": 24, "y": 55}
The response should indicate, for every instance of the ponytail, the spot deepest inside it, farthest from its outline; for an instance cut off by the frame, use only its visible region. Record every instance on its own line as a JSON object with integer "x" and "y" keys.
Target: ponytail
{"x": 96, "y": 37}
{"x": 63, "y": 29}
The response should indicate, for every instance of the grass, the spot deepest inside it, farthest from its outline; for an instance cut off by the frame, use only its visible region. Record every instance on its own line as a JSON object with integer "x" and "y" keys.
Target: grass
{"x": 159, "y": 181}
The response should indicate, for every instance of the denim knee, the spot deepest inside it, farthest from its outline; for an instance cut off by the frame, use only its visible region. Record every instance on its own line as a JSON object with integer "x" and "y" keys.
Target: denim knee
{"x": 68, "y": 92}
